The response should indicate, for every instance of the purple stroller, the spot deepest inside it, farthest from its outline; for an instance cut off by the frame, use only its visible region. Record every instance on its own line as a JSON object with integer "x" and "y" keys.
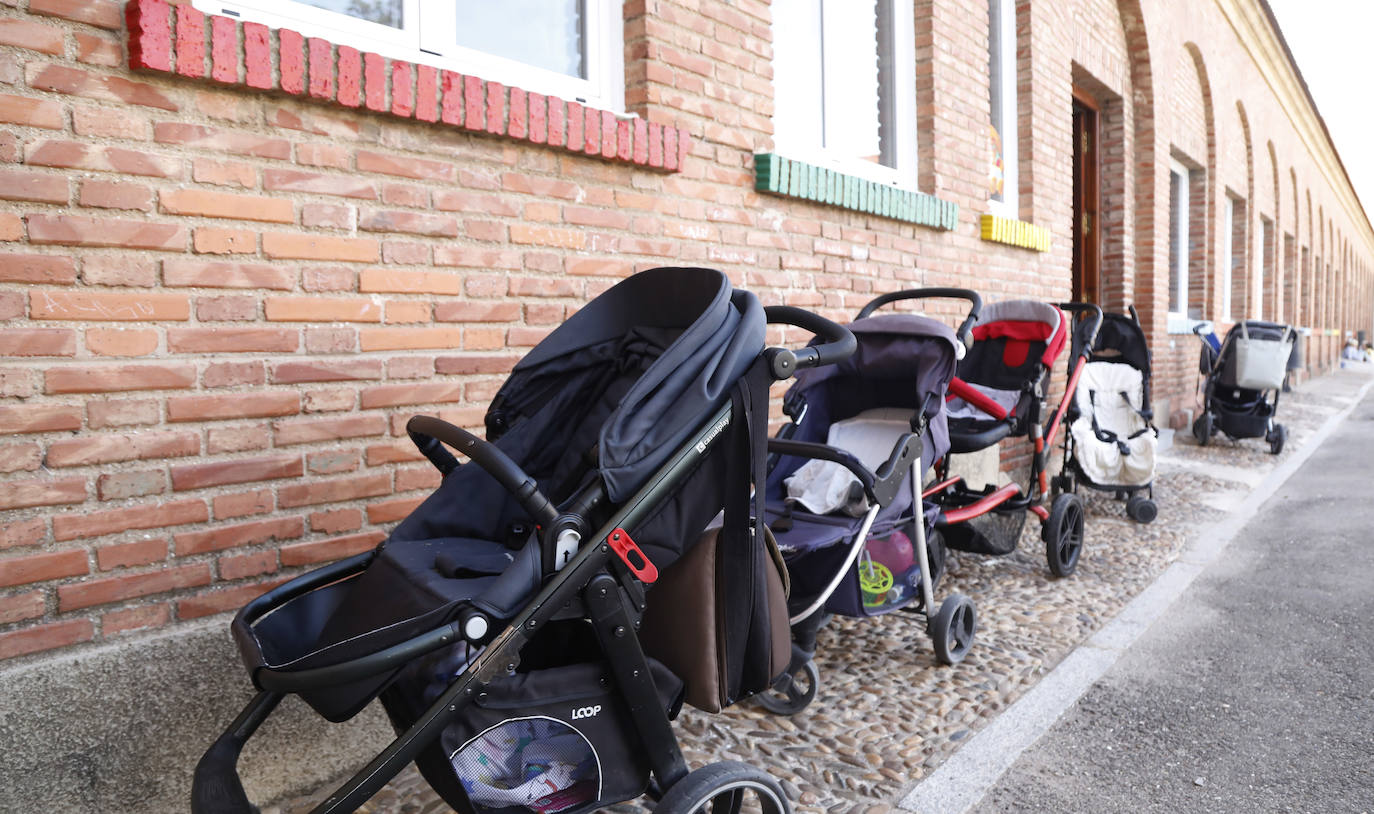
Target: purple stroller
{"x": 844, "y": 486}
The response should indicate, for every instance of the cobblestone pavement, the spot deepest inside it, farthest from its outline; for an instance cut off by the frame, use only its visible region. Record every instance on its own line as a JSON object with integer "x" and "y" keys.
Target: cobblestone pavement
{"x": 887, "y": 713}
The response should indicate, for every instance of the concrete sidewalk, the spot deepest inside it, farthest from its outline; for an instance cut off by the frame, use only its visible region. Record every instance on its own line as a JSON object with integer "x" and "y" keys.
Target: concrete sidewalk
{"x": 1239, "y": 681}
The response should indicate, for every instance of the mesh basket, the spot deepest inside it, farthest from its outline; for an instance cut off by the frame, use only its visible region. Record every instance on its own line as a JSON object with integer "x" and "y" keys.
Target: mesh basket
{"x": 995, "y": 532}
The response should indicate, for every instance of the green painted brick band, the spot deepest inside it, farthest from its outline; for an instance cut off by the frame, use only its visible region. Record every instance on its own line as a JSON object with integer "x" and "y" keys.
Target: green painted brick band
{"x": 778, "y": 175}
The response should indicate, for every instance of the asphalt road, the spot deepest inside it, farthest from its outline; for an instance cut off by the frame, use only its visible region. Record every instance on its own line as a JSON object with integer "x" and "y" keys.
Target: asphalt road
{"x": 1255, "y": 692}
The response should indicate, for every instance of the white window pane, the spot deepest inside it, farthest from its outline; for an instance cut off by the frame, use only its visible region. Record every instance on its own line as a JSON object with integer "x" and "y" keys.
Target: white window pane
{"x": 384, "y": 12}
{"x": 1177, "y": 250}
{"x": 547, "y": 34}
{"x": 850, "y": 95}
{"x": 797, "y": 74}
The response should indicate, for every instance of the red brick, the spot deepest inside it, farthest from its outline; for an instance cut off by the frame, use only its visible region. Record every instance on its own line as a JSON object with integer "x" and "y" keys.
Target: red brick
{"x": 25, "y": 457}
{"x": 235, "y": 405}
{"x": 11, "y": 227}
{"x": 641, "y": 141}
{"x": 290, "y": 246}
{"x": 557, "y": 121}
{"x": 190, "y": 47}
{"x": 327, "y": 550}
{"x": 52, "y": 269}
{"x": 209, "y": 204}
{"x": 417, "y": 168}
{"x": 37, "y": 342}
{"x": 451, "y": 107}
{"x": 291, "y": 61}
{"x": 326, "y": 370}
{"x": 610, "y": 136}
{"x": 226, "y": 339}
{"x": 333, "y": 522}
{"x": 320, "y": 309}
{"x": 392, "y": 395}
{"x": 332, "y": 462}
{"x": 212, "y": 274}
{"x": 99, "y": 13}
{"x": 311, "y": 430}
{"x": 119, "y": 270}
{"x": 200, "y": 476}
{"x": 402, "y": 76}
{"x": 220, "y": 601}
{"x": 150, "y": 34}
{"x": 23, "y": 533}
{"x": 112, "y": 378}
{"x": 379, "y": 454}
{"x": 408, "y": 311}
{"x": 108, "y": 413}
{"x": 31, "y": 568}
{"x": 18, "y": 607}
{"x": 350, "y": 76}
{"x": 223, "y": 173}
{"x": 121, "y": 342}
{"x": 45, "y": 637}
{"x": 426, "y": 89}
{"x": 236, "y": 439}
{"x": 541, "y": 186}
{"x": 103, "y": 448}
{"x": 233, "y": 374}
{"x": 148, "y": 516}
{"x": 244, "y": 534}
{"x": 392, "y": 338}
{"x": 413, "y": 478}
{"x": 100, "y": 158}
{"x": 517, "y": 121}
{"x": 251, "y": 564}
{"x": 221, "y": 141}
{"x": 321, "y": 55}
{"x": 244, "y": 504}
{"x": 69, "y": 230}
{"x": 104, "y": 590}
{"x": 127, "y": 555}
{"x": 327, "y": 216}
{"x": 323, "y": 155}
{"x": 94, "y": 86}
{"x": 331, "y": 340}
{"x": 330, "y": 400}
{"x": 116, "y": 195}
{"x": 31, "y": 112}
{"x": 655, "y": 144}
{"x": 474, "y": 364}
{"x": 98, "y": 51}
{"x": 39, "y": 187}
{"x": 392, "y": 281}
{"x": 416, "y": 223}
{"x": 333, "y": 491}
{"x": 591, "y": 131}
{"x": 474, "y": 103}
{"x": 31, "y": 35}
{"x": 123, "y": 485}
{"x": 226, "y": 309}
{"x": 389, "y": 511}
{"x": 496, "y": 108}
{"x": 209, "y": 240}
{"x": 257, "y": 56}
{"x": 538, "y": 118}
{"x": 99, "y": 306}
{"x": 125, "y": 620}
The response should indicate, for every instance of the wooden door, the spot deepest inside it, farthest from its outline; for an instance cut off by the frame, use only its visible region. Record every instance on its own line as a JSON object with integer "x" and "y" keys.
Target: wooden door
{"x": 1087, "y": 252}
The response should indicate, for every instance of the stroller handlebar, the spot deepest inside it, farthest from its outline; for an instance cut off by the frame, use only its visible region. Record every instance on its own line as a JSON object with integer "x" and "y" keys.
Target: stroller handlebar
{"x": 838, "y": 342}
{"x": 1093, "y": 312}
{"x": 427, "y": 431}
{"x": 965, "y": 330}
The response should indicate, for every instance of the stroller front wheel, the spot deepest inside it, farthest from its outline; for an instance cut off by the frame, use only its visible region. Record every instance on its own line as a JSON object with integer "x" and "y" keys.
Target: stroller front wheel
{"x": 1276, "y": 439}
{"x": 794, "y": 693}
{"x": 952, "y": 629}
{"x": 1141, "y": 509}
{"x": 724, "y": 788}
{"x": 1063, "y": 534}
{"x": 1202, "y": 428}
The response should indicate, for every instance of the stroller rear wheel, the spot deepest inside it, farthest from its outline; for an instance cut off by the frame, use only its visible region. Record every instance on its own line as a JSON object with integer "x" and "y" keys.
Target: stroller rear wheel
{"x": 794, "y": 693}
{"x": 952, "y": 629}
{"x": 724, "y": 788}
{"x": 1141, "y": 509}
{"x": 1063, "y": 534}
{"x": 1276, "y": 438}
{"x": 1202, "y": 428}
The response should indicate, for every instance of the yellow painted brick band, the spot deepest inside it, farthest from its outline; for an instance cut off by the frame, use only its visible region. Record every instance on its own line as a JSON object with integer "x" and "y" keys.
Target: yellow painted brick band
{"x": 1014, "y": 233}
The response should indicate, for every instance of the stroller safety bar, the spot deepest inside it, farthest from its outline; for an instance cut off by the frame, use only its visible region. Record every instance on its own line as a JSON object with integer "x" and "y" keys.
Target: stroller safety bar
{"x": 880, "y": 487}
{"x": 427, "y": 432}
{"x": 839, "y": 344}
{"x": 958, "y": 388}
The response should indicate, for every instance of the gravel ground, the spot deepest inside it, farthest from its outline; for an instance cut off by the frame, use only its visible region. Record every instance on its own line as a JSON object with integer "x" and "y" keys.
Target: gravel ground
{"x": 886, "y": 713}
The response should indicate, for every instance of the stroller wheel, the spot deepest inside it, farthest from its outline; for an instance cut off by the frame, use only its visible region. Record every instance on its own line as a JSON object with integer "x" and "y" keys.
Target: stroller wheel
{"x": 724, "y": 788}
{"x": 794, "y": 692}
{"x": 952, "y": 629}
{"x": 1141, "y": 509}
{"x": 1202, "y": 428}
{"x": 1063, "y": 534}
{"x": 1276, "y": 439}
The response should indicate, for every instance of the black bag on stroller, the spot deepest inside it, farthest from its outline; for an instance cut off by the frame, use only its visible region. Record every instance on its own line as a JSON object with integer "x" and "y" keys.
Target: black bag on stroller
{"x": 497, "y": 621}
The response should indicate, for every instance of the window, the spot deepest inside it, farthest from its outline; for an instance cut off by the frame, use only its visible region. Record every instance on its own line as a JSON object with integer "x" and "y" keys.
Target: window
{"x": 1236, "y": 294}
{"x": 567, "y": 48}
{"x": 1178, "y": 242}
{"x": 845, "y": 86}
{"x": 1228, "y": 247}
{"x": 1002, "y": 136}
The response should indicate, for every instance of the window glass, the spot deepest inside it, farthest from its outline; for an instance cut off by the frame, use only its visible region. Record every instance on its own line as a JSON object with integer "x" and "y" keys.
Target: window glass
{"x": 542, "y": 33}
{"x": 1002, "y": 133}
{"x": 383, "y": 12}
{"x": 1178, "y": 240}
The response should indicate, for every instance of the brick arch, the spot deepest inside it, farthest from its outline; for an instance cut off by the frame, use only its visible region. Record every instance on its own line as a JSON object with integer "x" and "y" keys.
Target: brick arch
{"x": 1202, "y": 290}
{"x": 1151, "y": 300}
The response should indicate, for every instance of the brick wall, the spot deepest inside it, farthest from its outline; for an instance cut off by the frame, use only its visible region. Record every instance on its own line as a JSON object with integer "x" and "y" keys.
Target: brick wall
{"x": 227, "y": 283}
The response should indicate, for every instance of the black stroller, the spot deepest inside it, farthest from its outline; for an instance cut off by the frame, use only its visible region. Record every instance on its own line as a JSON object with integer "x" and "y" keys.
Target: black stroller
{"x": 1238, "y": 375}
{"x": 499, "y": 621}
{"x": 843, "y": 492}
{"x": 998, "y": 393}
{"x": 1111, "y": 439}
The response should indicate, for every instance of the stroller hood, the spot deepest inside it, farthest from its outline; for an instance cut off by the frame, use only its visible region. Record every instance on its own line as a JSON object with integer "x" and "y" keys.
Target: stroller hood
{"x": 705, "y": 336}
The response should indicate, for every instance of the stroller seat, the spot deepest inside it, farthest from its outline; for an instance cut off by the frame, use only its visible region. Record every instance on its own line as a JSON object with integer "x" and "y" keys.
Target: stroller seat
{"x": 1115, "y": 443}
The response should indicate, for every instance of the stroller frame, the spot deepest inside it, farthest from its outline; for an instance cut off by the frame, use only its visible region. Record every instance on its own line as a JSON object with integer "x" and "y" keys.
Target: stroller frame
{"x": 1140, "y": 508}
{"x": 603, "y": 581}
{"x": 1061, "y": 523}
{"x": 1218, "y": 415}
{"x": 953, "y": 626}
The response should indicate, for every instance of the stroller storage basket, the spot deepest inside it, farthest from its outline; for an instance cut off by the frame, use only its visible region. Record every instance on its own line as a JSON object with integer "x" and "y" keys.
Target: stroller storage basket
{"x": 995, "y": 532}
{"x": 552, "y": 740}
{"x": 885, "y": 577}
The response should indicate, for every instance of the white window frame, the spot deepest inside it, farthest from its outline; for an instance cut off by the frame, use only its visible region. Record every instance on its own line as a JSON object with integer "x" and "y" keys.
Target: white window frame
{"x": 1257, "y": 284}
{"x": 425, "y": 44}
{"x": 1178, "y": 320}
{"x": 796, "y": 110}
{"x": 1228, "y": 216}
{"x": 1007, "y": 207}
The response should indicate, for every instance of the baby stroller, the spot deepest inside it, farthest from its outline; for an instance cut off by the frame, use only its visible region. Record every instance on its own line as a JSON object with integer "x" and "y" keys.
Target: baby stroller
{"x": 1238, "y": 375}
{"x": 1110, "y": 445}
{"x": 842, "y": 493}
{"x": 498, "y": 622}
{"x": 998, "y": 393}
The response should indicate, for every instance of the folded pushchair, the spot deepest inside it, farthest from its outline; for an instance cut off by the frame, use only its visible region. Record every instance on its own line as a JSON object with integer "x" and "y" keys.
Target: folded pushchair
{"x": 842, "y": 494}
{"x": 499, "y": 621}
{"x": 1238, "y": 375}
{"x": 1111, "y": 438}
{"x": 998, "y": 393}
